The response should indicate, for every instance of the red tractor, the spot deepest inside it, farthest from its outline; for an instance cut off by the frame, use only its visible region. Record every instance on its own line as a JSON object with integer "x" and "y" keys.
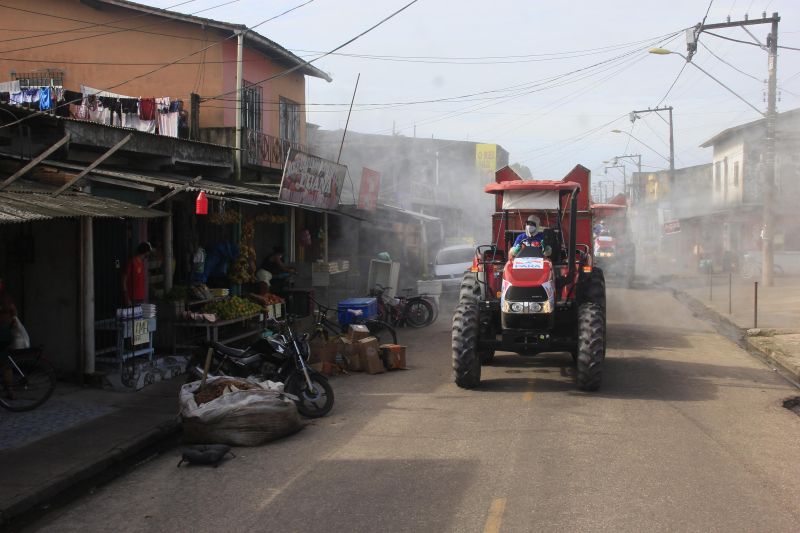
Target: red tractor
{"x": 544, "y": 298}
{"x": 614, "y": 250}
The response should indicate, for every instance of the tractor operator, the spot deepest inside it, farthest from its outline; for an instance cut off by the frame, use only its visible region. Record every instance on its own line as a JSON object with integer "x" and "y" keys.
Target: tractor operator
{"x": 533, "y": 236}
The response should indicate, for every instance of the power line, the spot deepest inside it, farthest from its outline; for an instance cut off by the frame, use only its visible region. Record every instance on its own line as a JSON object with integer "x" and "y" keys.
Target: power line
{"x": 108, "y": 33}
{"x": 734, "y": 67}
{"x": 349, "y": 41}
{"x": 93, "y": 25}
{"x": 160, "y": 68}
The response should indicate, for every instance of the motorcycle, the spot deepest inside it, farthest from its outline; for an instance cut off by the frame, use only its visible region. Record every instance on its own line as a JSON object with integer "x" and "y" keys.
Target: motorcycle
{"x": 282, "y": 357}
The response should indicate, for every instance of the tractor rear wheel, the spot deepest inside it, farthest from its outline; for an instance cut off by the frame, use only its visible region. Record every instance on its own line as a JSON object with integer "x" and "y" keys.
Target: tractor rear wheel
{"x": 466, "y": 359}
{"x": 591, "y": 346}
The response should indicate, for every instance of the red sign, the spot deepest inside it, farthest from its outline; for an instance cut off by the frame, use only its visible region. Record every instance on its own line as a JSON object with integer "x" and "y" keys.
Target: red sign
{"x": 672, "y": 226}
{"x": 370, "y": 187}
{"x": 311, "y": 181}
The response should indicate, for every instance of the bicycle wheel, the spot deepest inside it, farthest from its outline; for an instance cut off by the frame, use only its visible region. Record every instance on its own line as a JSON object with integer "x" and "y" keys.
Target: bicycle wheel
{"x": 381, "y": 331}
{"x": 419, "y": 313}
{"x": 30, "y": 388}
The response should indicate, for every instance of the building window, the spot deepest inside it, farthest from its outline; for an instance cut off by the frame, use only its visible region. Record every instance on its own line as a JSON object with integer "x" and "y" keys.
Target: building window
{"x": 718, "y": 176}
{"x": 290, "y": 120}
{"x": 251, "y": 106}
{"x": 736, "y": 173}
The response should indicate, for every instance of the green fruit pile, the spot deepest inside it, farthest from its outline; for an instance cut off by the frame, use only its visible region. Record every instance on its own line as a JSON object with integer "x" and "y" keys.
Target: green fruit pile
{"x": 234, "y": 307}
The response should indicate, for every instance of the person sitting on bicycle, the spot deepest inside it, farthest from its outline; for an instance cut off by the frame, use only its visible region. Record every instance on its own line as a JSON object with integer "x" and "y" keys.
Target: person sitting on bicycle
{"x": 8, "y": 313}
{"x": 533, "y": 236}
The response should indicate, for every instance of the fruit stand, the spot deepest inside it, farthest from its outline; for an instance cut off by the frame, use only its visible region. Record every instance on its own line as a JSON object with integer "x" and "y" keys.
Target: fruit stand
{"x": 225, "y": 320}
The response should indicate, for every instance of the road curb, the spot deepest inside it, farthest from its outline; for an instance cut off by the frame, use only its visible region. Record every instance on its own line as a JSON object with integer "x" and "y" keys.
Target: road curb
{"x": 772, "y": 353}
{"x": 28, "y": 502}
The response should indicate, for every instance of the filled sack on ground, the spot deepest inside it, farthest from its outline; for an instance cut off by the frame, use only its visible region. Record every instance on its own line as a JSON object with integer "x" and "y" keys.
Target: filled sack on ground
{"x": 242, "y": 415}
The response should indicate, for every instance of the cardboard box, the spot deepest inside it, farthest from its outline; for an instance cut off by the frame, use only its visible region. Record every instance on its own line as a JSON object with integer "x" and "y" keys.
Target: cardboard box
{"x": 351, "y": 355}
{"x": 393, "y": 356}
{"x": 326, "y": 369}
{"x": 373, "y": 363}
{"x": 358, "y": 332}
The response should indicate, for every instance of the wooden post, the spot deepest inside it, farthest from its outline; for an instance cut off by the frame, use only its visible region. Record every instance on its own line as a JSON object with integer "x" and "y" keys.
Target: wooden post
{"x": 206, "y": 366}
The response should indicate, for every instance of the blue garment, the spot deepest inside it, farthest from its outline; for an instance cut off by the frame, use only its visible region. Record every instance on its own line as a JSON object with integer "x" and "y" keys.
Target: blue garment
{"x": 218, "y": 260}
{"x": 522, "y": 237}
{"x": 45, "y": 102}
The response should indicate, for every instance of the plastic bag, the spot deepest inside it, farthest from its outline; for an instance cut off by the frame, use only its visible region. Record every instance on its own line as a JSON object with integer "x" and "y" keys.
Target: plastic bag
{"x": 238, "y": 417}
{"x": 21, "y": 339}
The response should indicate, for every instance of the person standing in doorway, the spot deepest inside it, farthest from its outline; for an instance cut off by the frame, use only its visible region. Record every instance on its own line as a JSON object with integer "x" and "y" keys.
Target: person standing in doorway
{"x": 134, "y": 279}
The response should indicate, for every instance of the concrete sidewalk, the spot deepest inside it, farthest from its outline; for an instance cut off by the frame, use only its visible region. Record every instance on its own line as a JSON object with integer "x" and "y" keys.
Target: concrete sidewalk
{"x": 731, "y": 300}
{"x": 76, "y": 435}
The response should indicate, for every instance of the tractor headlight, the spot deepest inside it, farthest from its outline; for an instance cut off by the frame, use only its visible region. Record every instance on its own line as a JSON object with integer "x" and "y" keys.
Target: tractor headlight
{"x": 516, "y": 307}
{"x": 536, "y": 307}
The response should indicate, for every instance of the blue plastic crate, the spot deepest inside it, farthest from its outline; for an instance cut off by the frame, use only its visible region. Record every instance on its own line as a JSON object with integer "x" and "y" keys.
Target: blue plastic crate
{"x": 367, "y": 306}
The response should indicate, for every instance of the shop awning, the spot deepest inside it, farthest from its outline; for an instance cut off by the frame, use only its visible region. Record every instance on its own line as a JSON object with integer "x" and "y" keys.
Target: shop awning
{"x": 407, "y": 213}
{"x": 29, "y": 203}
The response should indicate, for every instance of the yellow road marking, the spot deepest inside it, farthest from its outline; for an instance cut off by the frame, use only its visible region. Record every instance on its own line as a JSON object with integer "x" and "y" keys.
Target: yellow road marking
{"x": 528, "y": 396}
{"x": 495, "y": 518}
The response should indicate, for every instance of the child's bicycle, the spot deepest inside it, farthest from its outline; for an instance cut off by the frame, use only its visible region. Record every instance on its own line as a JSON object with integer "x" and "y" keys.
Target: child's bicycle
{"x": 33, "y": 380}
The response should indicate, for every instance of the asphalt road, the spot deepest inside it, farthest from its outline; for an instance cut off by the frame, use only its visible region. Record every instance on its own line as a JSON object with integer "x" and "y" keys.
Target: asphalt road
{"x": 687, "y": 434}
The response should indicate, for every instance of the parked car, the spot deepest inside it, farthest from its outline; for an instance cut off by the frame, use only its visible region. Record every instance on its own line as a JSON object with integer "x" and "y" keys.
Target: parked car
{"x": 451, "y": 263}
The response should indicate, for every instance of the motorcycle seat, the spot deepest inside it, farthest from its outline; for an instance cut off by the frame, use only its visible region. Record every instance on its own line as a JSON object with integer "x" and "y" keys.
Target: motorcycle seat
{"x": 227, "y": 350}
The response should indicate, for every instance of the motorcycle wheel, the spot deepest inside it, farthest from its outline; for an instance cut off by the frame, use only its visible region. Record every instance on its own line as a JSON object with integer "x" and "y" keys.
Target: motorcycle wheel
{"x": 310, "y": 403}
{"x": 419, "y": 313}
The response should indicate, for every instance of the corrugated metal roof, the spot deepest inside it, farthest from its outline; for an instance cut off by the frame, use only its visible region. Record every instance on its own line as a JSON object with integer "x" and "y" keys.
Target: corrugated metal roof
{"x": 23, "y": 205}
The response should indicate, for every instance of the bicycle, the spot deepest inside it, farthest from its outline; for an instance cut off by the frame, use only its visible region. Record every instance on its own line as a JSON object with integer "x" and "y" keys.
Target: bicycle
{"x": 323, "y": 326}
{"x": 33, "y": 380}
{"x": 413, "y": 311}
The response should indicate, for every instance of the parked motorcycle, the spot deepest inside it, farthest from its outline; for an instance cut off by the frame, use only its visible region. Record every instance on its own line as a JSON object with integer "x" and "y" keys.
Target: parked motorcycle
{"x": 282, "y": 357}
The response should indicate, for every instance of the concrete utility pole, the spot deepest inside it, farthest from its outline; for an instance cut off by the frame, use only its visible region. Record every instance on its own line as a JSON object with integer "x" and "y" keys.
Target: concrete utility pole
{"x": 768, "y": 186}
{"x": 637, "y": 157}
{"x": 635, "y": 114}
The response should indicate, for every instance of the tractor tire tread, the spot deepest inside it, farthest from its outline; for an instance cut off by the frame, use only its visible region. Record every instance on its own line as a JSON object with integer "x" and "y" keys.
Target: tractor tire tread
{"x": 591, "y": 346}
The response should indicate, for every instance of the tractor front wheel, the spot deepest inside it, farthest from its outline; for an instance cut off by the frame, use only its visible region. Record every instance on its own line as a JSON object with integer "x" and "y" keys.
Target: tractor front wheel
{"x": 591, "y": 346}
{"x": 466, "y": 359}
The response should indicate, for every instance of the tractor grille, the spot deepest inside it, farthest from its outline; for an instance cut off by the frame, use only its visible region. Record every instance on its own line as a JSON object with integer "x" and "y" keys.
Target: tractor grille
{"x": 526, "y": 294}
{"x": 528, "y": 322}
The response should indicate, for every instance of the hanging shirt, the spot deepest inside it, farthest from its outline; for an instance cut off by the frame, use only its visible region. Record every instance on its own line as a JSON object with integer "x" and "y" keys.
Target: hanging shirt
{"x": 45, "y": 101}
{"x": 147, "y": 108}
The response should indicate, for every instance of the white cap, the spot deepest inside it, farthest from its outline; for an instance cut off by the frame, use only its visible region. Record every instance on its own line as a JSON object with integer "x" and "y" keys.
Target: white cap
{"x": 264, "y": 276}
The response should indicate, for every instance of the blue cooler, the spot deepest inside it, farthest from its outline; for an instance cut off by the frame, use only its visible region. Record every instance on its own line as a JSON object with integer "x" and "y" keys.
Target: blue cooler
{"x": 367, "y": 306}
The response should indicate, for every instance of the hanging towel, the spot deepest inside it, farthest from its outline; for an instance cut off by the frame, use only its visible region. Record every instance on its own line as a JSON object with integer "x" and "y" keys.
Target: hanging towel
{"x": 132, "y": 120}
{"x": 168, "y": 124}
{"x": 10, "y": 86}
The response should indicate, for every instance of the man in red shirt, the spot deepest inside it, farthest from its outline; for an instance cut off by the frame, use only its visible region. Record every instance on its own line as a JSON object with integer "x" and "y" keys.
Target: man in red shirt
{"x": 134, "y": 279}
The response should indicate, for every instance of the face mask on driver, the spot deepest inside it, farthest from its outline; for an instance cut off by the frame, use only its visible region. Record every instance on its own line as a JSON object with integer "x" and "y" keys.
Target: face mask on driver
{"x": 530, "y": 229}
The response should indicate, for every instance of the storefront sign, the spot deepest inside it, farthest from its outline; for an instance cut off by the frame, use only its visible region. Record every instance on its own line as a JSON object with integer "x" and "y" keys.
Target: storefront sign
{"x": 311, "y": 181}
{"x": 370, "y": 187}
{"x": 141, "y": 335}
{"x": 486, "y": 158}
{"x": 672, "y": 226}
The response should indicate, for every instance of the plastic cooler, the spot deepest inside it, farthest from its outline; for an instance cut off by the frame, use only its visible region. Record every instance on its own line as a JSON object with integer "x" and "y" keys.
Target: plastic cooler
{"x": 367, "y": 306}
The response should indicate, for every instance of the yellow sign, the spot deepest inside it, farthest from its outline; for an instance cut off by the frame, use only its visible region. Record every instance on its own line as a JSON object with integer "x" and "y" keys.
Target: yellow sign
{"x": 486, "y": 158}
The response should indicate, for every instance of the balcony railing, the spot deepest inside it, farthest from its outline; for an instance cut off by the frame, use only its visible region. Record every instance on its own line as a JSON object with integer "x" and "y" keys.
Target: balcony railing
{"x": 264, "y": 150}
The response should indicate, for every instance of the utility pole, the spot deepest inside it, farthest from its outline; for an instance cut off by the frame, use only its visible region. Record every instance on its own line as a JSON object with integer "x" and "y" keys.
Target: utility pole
{"x": 635, "y": 114}
{"x": 768, "y": 185}
{"x": 638, "y": 158}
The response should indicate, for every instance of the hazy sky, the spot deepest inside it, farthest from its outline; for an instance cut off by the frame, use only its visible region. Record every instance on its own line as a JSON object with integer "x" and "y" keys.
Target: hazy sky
{"x": 550, "y": 79}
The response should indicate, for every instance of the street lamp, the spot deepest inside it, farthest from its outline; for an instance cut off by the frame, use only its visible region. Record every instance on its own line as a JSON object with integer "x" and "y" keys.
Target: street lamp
{"x": 637, "y": 157}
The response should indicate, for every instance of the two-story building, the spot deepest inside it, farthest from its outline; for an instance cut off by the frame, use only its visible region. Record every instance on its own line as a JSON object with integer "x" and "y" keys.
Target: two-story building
{"x": 114, "y": 116}
{"x": 737, "y": 184}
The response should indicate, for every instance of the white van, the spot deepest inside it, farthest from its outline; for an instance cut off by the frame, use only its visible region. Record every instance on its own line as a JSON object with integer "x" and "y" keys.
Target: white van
{"x": 451, "y": 263}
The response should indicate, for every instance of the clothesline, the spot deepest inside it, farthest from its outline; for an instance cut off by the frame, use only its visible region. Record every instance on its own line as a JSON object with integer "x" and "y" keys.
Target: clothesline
{"x": 160, "y": 115}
